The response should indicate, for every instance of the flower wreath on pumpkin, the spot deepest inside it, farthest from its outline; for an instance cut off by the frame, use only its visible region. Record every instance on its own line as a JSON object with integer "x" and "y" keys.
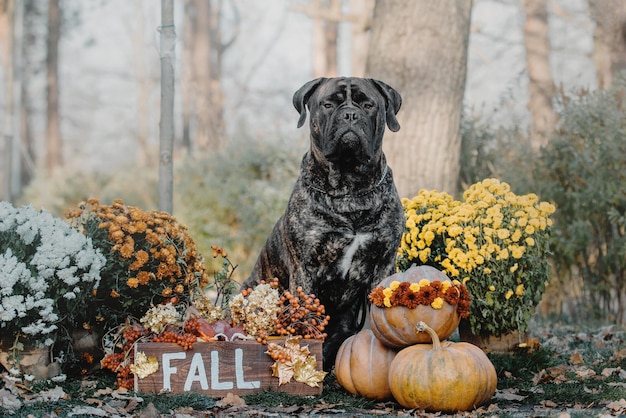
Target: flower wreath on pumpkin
{"x": 424, "y": 292}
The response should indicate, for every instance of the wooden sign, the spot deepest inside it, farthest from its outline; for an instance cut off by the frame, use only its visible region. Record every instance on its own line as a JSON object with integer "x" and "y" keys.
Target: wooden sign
{"x": 217, "y": 368}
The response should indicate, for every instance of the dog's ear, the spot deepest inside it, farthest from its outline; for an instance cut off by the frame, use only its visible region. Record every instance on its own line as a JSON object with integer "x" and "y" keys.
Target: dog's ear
{"x": 393, "y": 101}
{"x": 301, "y": 98}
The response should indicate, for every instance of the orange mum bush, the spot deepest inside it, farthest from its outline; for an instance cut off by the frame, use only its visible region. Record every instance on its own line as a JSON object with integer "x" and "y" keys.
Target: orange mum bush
{"x": 151, "y": 259}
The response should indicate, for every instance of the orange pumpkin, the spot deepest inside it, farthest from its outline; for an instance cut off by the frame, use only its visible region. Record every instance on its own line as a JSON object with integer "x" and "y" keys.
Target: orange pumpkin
{"x": 361, "y": 366}
{"x": 443, "y": 376}
{"x": 395, "y": 327}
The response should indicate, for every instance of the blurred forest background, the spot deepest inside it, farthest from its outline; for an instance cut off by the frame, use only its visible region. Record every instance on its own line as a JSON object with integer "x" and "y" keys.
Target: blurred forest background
{"x": 528, "y": 91}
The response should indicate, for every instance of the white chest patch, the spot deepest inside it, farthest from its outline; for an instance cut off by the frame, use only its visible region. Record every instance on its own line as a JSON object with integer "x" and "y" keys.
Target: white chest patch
{"x": 358, "y": 240}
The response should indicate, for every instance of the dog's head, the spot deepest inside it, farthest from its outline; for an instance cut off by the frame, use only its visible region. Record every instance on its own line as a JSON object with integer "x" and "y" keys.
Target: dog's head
{"x": 348, "y": 117}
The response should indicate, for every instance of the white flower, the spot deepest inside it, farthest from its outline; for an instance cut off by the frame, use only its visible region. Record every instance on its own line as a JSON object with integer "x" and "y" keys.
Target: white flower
{"x": 45, "y": 265}
{"x": 160, "y": 316}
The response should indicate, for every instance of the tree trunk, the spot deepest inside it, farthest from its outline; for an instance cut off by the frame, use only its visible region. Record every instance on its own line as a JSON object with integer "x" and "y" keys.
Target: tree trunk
{"x": 143, "y": 92}
{"x": 53, "y": 128}
{"x": 331, "y": 38}
{"x": 207, "y": 104}
{"x": 187, "y": 76}
{"x": 541, "y": 85}
{"x": 326, "y": 15}
{"x": 6, "y": 136}
{"x": 609, "y": 39}
{"x": 419, "y": 47}
{"x": 166, "y": 137}
{"x": 362, "y": 11}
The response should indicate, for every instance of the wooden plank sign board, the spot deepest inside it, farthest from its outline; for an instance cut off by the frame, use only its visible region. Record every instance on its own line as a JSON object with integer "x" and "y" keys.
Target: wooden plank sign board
{"x": 217, "y": 368}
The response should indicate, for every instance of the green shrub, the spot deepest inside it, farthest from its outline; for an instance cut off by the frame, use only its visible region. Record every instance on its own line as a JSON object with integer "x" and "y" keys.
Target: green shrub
{"x": 583, "y": 171}
{"x": 231, "y": 198}
{"x": 234, "y": 197}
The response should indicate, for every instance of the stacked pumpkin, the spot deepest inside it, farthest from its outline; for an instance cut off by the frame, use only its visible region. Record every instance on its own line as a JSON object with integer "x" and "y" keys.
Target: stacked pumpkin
{"x": 403, "y": 355}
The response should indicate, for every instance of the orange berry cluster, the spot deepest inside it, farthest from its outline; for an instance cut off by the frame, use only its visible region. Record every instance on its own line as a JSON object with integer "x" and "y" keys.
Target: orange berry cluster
{"x": 278, "y": 353}
{"x": 217, "y": 250}
{"x": 115, "y": 362}
{"x": 302, "y": 314}
{"x": 184, "y": 339}
{"x": 119, "y": 362}
{"x": 191, "y": 326}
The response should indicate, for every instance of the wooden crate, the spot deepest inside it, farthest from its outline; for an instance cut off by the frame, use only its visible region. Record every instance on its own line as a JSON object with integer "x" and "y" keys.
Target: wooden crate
{"x": 217, "y": 368}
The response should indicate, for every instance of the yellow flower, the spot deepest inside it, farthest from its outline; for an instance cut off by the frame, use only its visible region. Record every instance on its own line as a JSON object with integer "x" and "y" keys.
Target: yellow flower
{"x": 530, "y": 242}
{"x": 429, "y": 236}
{"x": 394, "y": 285}
{"x": 387, "y": 302}
{"x": 492, "y": 288}
{"x": 424, "y": 282}
{"x": 508, "y": 294}
{"x": 455, "y": 230}
{"x": 519, "y": 290}
{"x": 487, "y": 270}
{"x": 517, "y": 251}
{"x": 503, "y": 233}
{"x": 437, "y": 303}
{"x": 415, "y": 287}
{"x": 514, "y": 268}
{"x": 387, "y": 292}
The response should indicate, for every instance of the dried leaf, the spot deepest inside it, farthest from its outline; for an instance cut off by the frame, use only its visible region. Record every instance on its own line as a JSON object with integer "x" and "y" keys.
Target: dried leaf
{"x": 88, "y": 410}
{"x": 509, "y": 395}
{"x": 548, "y": 403}
{"x": 52, "y": 395}
{"x": 306, "y": 372}
{"x": 539, "y": 377}
{"x": 9, "y": 401}
{"x": 283, "y": 371}
{"x": 230, "y": 400}
{"x": 610, "y": 371}
{"x": 576, "y": 358}
{"x": 584, "y": 372}
{"x": 93, "y": 401}
{"x": 618, "y": 406}
{"x": 302, "y": 366}
{"x": 103, "y": 392}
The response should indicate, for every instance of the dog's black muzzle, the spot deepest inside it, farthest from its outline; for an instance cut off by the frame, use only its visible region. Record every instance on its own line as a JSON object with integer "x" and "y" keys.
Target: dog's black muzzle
{"x": 349, "y": 133}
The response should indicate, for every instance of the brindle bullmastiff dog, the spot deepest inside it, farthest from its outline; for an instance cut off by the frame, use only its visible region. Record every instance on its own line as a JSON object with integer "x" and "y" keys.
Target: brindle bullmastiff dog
{"x": 343, "y": 223}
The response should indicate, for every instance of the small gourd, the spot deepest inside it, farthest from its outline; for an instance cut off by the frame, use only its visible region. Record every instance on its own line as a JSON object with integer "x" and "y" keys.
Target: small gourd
{"x": 444, "y": 376}
{"x": 362, "y": 365}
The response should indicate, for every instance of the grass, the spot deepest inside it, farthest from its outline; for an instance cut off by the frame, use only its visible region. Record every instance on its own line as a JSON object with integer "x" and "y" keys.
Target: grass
{"x": 564, "y": 374}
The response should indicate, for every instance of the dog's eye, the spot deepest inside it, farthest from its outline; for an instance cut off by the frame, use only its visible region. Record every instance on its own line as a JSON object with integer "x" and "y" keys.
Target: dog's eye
{"x": 328, "y": 105}
{"x": 368, "y": 106}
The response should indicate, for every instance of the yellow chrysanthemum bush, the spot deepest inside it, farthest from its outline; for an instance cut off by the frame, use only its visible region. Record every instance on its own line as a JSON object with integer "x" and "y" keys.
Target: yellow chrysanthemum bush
{"x": 151, "y": 259}
{"x": 494, "y": 241}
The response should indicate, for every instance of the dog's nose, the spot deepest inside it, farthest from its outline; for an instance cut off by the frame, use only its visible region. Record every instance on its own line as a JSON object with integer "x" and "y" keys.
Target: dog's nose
{"x": 350, "y": 116}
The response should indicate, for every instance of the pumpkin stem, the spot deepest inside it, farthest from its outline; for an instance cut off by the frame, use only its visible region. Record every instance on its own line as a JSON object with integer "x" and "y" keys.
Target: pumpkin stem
{"x": 421, "y": 327}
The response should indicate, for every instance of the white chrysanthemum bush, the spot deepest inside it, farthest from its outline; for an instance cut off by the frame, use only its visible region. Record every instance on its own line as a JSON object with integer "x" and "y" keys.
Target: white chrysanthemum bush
{"x": 47, "y": 273}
